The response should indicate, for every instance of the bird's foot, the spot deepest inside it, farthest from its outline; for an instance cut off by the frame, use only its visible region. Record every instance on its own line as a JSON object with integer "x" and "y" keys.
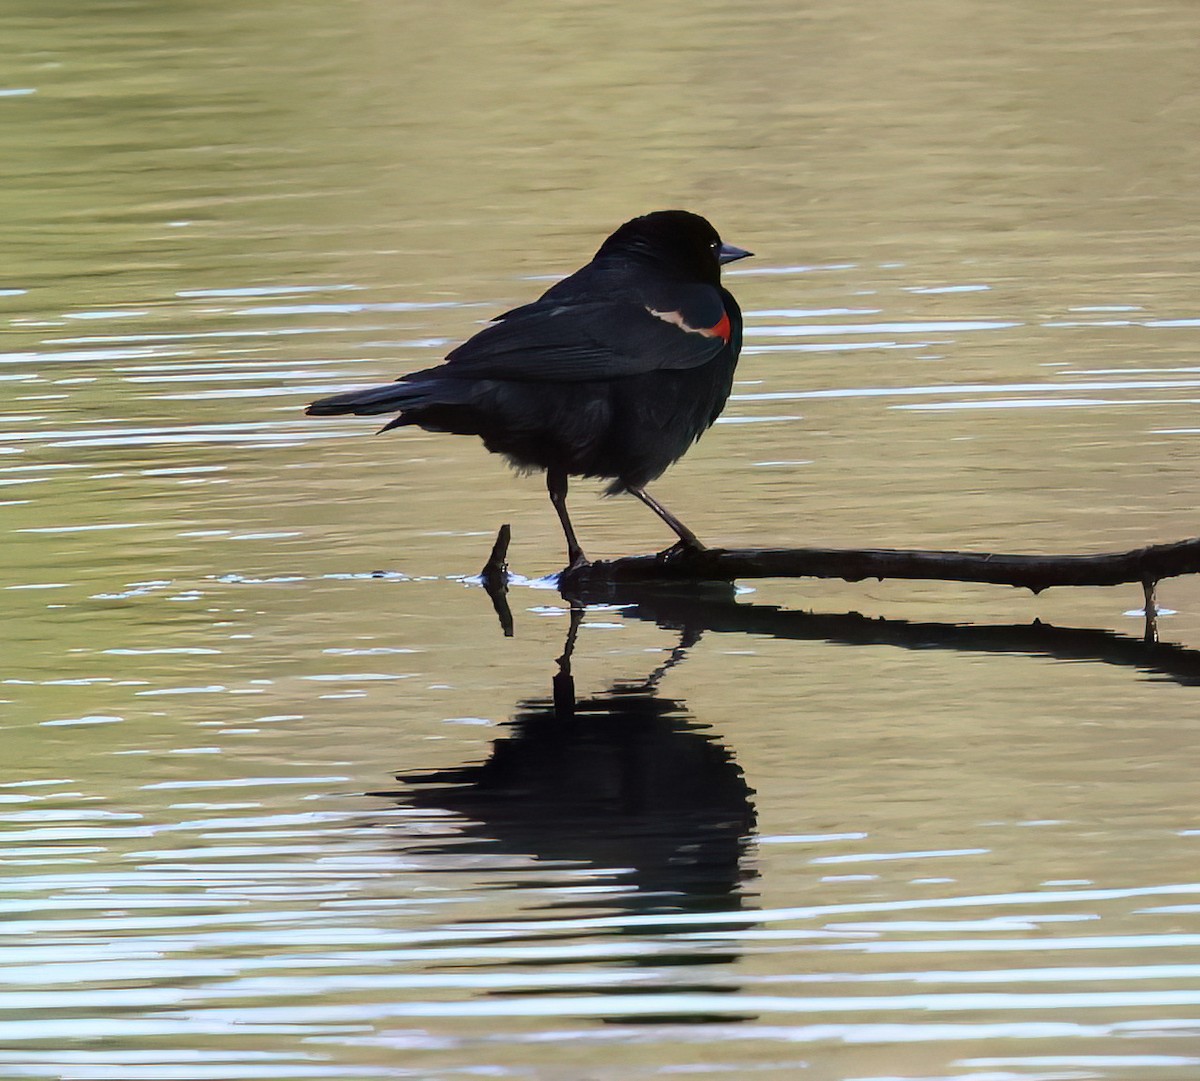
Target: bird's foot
{"x": 680, "y": 550}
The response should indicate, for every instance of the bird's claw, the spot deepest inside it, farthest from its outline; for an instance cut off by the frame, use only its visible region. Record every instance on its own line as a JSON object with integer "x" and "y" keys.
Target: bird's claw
{"x": 577, "y": 561}
{"x": 680, "y": 550}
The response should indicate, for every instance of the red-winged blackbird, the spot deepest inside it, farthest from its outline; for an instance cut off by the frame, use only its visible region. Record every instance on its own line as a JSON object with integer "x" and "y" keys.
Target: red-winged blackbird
{"x": 614, "y": 372}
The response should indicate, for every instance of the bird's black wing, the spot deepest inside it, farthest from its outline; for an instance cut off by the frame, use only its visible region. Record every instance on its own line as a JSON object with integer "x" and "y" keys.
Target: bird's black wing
{"x": 609, "y": 339}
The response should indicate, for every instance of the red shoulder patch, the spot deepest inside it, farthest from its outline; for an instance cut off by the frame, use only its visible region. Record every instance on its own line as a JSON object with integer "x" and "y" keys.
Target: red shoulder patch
{"x": 720, "y": 329}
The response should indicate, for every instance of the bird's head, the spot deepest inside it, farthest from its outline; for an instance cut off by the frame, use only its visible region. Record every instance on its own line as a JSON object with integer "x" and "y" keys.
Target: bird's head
{"x": 682, "y": 241}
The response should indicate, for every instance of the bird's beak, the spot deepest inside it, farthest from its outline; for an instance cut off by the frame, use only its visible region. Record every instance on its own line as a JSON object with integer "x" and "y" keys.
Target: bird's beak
{"x": 729, "y": 253}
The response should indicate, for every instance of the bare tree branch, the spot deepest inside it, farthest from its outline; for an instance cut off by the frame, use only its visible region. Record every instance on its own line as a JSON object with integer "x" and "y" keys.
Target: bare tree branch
{"x": 1146, "y": 566}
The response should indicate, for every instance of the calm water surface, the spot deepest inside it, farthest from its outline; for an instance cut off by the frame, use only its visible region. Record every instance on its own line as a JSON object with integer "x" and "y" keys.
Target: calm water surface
{"x": 279, "y": 800}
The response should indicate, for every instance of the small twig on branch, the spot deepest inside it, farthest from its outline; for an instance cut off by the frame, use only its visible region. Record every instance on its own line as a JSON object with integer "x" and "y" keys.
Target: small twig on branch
{"x": 1033, "y": 572}
{"x": 496, "y": 567}
{"x": 1150, "y": 611}
{"x": 494, "y": 577}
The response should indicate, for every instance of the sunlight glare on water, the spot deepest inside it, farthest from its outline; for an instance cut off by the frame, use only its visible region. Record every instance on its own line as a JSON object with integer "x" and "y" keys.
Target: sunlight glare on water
{"x": 280, "y": 799}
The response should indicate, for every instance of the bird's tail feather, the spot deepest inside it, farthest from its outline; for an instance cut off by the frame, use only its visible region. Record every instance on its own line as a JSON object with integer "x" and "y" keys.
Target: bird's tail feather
{"x": 437, "y": 405}
{"x": 369, "y": 402}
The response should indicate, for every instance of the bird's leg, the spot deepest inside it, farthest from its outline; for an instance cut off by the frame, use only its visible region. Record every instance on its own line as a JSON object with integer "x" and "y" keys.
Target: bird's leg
{"x": 687, "y": 539}
{"x": 563, "y": 684}
{"x": 556, "y": 485}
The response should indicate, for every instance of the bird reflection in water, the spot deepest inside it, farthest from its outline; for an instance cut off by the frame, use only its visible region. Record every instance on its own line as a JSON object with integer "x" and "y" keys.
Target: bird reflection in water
{"x": 625, "y": 782}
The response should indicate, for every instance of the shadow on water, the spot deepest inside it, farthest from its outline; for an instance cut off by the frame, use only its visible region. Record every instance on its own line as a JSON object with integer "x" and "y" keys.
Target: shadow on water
{"x": 625, "y": 784}
{"x": 628, "y": 790}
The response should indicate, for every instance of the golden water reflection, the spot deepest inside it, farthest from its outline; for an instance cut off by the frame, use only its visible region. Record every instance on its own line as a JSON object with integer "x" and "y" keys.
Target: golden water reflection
{"x": 972, "y": 325}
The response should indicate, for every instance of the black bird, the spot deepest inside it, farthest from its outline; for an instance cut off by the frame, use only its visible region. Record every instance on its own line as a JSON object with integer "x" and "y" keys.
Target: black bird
{"x": 613, "y": 372}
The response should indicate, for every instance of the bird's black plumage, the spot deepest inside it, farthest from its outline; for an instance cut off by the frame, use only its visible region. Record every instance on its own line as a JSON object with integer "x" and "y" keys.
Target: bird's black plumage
{"x": 613, "y": 372}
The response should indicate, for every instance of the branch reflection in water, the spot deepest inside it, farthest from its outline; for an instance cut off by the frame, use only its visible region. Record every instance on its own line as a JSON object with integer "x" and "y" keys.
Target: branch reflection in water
{"x": 713, "y": 607}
